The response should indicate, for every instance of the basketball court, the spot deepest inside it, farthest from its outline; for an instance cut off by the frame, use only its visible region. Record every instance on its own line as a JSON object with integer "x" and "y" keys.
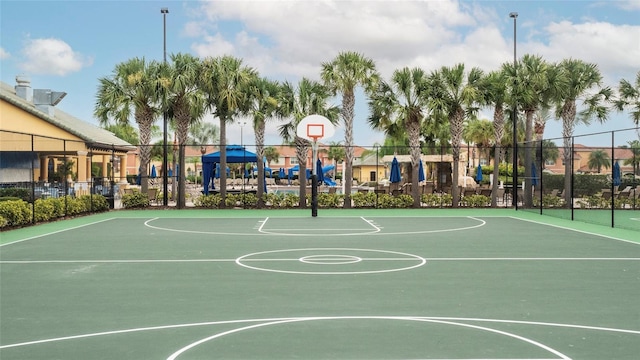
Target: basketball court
{"x": 359, "y": 284}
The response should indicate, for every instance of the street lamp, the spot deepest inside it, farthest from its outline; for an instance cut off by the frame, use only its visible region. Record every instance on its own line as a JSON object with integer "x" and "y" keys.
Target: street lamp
{"x": 242, "y": 124}
{"x": 514, "y": 117}
{"x": 165, "y": 163}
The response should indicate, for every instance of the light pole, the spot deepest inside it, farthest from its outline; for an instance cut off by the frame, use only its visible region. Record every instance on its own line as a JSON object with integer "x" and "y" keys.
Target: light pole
{"x": 165, "y": 163}
{"x": 242, "y": 124}
{"x": 514, "y": 117}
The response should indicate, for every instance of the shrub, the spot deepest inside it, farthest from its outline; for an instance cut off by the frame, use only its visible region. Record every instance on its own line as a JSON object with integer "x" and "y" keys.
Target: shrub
{"x": 21, "y": 193}
{"x": 248, "y": 200}
{"x": 231, "y": 200}
{"x": 44, "y": 210}
{"x": 135, "y": 200}
{"x": 273, "y": 199}
{"x": 75, "y": 206}
{"x": 326, "y": 200}
{"x": 367, "y": 199}
{"x": 16, "y": 212}
{"x": 476, "y": 200}
{"x": 437, "y": 200}
{"x": 95, "y": 202}
{"x": 211, "y": 201}
{"x": 3, "y": 222}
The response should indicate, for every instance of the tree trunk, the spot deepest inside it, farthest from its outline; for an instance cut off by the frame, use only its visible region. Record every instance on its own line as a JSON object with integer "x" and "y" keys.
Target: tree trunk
{"x": 414, "y": 147}
{"x": 528, "y": 158}
{"x": 568, "y": 121}
{"x": 260, "y": 155}
{"x": 348, "y": 102}
{"x": 144, "y": 119}
{"x": 223, "y": 161}
{"x": 302, "y": 149}
{"x": 498, "y": 133}
{"x": 456, "y": 124}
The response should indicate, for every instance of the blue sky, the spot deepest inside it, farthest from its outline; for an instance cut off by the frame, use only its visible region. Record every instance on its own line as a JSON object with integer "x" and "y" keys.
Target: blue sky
{"x": 68, "y": 45}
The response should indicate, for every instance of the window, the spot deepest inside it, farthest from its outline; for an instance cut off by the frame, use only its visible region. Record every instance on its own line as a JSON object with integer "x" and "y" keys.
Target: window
{"x": 293, "y": 160}
{"x": 372, "y": 176}
{"x": 550, "y": 162}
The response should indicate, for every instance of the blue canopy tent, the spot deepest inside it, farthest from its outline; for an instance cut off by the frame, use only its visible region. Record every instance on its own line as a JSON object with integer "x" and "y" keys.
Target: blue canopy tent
{"x": 235, "y": 154}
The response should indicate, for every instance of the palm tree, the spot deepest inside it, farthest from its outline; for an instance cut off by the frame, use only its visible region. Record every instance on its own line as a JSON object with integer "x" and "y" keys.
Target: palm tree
{"x": 308, "y": 98}
{"x": 225, "y": 82}
{"x": 336, "y": 154}
{"x": 202, "y": 134}
{"x": 533, "y": 90}
{"x": 272, "y": 154}
{"x": 402, "y": 103}
{"x": 264, "y": 95}
{"x": 494, "y": 93}
{"x": 480, "y": 132}
{"x": 629, "y": 98}
{"x": 599, "y": 159}
{"x": 577, "y": 80}
{"x": 125, "y": 132}
{"x": 456, "y": 95}
{"x": 634, "y": 160}
{"x": 342, "y": 75}
{"x": 549, "y": 152}
{"x": 132, "y": 88}
{"x": 185, "y": 105}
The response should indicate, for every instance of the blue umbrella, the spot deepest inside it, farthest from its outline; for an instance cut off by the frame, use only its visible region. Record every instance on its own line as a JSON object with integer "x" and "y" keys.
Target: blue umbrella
{"x": 319, "y": 171}
{"x": 421, "y": 177}
{"x": 395, "y": 176}
{"x": 616, "y": 174}
{"x": 154, "y": 174}
{"x": 534, "y": 176}
{"x": 139, "y": 178}
{"x": 479, "y": 174}
{"x": 281, "y": 173}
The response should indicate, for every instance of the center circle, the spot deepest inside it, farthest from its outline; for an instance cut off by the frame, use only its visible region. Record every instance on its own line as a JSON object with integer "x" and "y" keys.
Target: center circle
{"x": 330, "y": 259}
{"x": 351, "y": 261}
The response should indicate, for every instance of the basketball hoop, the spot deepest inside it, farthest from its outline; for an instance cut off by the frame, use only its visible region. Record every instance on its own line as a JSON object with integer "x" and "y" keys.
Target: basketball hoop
{"x": 314, "y": 128}
{"x": 315, "y": 131}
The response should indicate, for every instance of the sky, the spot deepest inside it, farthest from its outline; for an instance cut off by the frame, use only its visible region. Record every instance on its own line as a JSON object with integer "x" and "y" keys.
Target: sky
{"x": 68, "y": 45}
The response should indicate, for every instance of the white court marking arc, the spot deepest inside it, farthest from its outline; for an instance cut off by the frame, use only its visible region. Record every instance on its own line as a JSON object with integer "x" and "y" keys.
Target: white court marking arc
{"x": 210, "y": 323}
{"x": 404, "y": 256}
{"x": 176, "y": 354}
{"x": 376, "y": 230}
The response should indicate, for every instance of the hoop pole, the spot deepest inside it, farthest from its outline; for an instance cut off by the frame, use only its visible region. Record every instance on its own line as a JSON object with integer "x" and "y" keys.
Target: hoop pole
{"x": 314, "y": 178}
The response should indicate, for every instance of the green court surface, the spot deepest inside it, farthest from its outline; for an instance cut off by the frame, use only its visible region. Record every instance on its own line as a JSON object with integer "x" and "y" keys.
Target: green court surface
{"x": 348, "y": 284}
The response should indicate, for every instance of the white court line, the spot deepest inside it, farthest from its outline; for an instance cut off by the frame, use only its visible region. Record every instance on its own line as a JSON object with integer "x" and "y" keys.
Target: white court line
{"x": 209, "y": 323}
{"x": 56, "y": 232}
{"x": 576, "y": 230}
{"x": 562, "y": 356}
{"x": 142, "y": 261}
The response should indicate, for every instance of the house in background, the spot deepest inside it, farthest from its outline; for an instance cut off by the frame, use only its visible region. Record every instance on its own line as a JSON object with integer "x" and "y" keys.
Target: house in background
{"x": 581, "y": 155}
{"x": 37, "y": 139}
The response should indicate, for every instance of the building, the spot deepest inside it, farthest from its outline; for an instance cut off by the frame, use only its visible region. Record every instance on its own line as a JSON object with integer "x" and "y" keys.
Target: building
{"x": 39, "y": 142}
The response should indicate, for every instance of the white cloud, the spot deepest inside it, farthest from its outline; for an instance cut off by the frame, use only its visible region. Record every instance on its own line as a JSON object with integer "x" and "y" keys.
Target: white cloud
{"x": 615, "y": 48}
{"x": 52, "y": 56}
{"x": 290, "y": 39}
{"x": 4, "y": 54}
{"x": 628, "y": 4}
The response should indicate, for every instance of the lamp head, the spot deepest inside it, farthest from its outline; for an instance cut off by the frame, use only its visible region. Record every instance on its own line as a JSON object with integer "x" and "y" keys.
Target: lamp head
{"x": 513, "y": 15}
{"x": 164, "y": 10}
